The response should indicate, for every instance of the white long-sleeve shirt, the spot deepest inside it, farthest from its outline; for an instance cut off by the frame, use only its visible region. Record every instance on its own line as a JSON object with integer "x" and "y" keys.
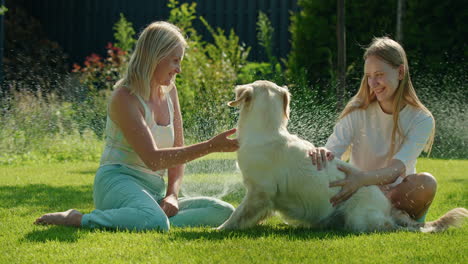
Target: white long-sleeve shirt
{"x": 369, "y": 132}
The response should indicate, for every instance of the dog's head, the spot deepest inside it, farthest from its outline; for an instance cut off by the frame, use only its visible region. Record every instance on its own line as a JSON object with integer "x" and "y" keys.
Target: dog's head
{"x": 265, "y": 100}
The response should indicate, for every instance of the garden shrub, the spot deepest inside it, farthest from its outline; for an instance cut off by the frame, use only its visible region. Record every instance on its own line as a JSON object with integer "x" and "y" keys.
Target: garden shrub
{"x": 253, "y": 71}
{"x": 209, "y": 74}
{"x": 265, "y": 38}
{"x": 97, "y": 77}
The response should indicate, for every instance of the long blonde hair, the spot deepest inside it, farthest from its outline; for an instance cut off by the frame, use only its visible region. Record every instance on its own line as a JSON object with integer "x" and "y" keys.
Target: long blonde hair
{"x": 393, "y": 54}
{"x": 155, "y": 43}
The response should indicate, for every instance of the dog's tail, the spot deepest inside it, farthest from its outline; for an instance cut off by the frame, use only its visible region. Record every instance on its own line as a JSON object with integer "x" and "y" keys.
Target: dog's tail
{"x": 454, "y": 217}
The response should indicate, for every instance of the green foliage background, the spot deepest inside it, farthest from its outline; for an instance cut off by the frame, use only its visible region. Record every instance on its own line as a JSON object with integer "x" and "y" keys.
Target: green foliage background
{"x": 433, "y": 33}
{"x": 49, "y": 114}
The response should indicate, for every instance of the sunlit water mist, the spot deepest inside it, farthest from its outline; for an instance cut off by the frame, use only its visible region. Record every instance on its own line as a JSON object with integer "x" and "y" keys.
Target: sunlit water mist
{"x": 313, "y": 123}
{"x": 446, "y": 95}
{"x": 212, "y": 177}
{"x": 311, "y": 119}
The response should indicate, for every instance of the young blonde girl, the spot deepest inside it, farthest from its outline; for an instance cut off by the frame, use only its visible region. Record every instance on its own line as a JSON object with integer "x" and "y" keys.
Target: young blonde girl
{"x": 383, "y": 130}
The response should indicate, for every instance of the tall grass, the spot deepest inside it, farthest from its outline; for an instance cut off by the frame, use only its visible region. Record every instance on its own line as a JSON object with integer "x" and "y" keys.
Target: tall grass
{"x": 36, "y": 127}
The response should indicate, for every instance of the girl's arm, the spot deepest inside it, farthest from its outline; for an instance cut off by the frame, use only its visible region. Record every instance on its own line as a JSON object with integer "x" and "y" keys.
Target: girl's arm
{"x": 355, "y": 179}
{"x": 126, "y": 111}
{"x": 415, "y": 140}
{"x": 337, "y": 143}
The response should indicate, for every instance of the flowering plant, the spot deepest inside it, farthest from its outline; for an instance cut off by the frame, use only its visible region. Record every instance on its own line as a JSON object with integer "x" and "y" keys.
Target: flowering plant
{"x": 99, "y": 73}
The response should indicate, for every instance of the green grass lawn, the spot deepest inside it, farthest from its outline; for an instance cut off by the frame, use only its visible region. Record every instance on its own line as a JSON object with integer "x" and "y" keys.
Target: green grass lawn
{"x": 28, "y": 191}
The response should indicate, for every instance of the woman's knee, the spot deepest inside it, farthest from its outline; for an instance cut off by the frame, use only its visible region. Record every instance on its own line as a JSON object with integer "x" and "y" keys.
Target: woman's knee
{"x": 222, "y": 212}
{"x": 223, "y": 209}
{"x": 154, "y": 219}
{"x": 226, "y": 208}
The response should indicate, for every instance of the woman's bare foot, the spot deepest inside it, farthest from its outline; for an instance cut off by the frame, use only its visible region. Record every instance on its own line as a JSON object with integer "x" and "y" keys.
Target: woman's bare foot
{"x": 68, "y": 218}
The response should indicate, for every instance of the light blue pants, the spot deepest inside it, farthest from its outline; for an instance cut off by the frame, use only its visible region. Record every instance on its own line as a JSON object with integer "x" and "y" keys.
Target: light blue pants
{"x": 422, "y": 219}
{"x": 128, "y": 199}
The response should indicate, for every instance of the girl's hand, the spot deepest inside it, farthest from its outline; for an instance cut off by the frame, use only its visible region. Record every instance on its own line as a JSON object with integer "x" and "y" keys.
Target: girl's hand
{"x": 320, "y": 157}
{"x": 221, "y": 142}
{"x": 170, "y": 205}
{"x": 349, "y": 185}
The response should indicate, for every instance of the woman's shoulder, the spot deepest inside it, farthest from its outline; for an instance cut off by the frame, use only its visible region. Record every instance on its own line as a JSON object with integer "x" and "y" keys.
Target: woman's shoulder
{"x": 122, "y": 99}
{"x": 119, "y": 93}
{"x": 122, "y": 95}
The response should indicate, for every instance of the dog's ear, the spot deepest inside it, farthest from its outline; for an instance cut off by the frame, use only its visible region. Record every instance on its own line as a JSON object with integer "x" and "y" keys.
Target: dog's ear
{"x": 243, "y": 95}
{"x": 286, "y": 99}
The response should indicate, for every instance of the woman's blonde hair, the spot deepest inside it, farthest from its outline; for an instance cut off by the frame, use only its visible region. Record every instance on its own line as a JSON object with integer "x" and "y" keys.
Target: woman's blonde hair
{"x": 393, "y": 54}
{"x": 155, "y": 43}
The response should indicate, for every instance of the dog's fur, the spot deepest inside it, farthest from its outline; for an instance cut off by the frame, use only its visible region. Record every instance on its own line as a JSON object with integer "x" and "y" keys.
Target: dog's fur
{"x": 280, "y": 177}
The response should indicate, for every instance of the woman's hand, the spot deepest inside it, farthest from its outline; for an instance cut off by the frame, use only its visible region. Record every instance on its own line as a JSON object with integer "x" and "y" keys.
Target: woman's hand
{"x": 349, "y": 185}
{"x": 221, "y": 142}
{"x": 170, "y": 205}
{"x": 320, "y": 157}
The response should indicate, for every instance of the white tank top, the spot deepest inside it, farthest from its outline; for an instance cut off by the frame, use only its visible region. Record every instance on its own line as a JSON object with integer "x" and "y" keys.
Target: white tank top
{"x": 118, "y": 151}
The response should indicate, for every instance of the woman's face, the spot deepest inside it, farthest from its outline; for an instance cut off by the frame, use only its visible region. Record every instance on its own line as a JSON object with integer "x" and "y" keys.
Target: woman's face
{"x": 382, "y": 78}
{"x": 168, "y": 67}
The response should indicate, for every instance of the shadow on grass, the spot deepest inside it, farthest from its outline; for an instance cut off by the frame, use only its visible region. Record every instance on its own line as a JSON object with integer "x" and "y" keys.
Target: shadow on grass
{"x": 54, "y": 233}
{"x": 46, "y": 196}
{"x": 85, "y": 172}
{"x": 72, "y": 234}
{"x": 458, "y": 180}
{"x": 281, "y": 230}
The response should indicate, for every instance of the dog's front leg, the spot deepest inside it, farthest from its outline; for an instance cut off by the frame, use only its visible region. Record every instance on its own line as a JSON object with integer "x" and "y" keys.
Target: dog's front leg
{"x": 254, "y": 208}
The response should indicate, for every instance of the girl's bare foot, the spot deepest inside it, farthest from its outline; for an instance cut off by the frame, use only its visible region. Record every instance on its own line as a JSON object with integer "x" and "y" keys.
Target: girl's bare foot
{"x": 68, "y": 218}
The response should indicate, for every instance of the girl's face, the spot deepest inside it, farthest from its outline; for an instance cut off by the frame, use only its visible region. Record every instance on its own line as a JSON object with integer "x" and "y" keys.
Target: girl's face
{"x": 382, "y": 78}
{"x": 168, "y": 67}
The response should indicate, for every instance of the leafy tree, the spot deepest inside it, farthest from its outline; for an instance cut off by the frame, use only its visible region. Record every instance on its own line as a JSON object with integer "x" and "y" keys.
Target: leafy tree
{"x": 3, "y": 10}
{"x": 313, "y": 40}
{"x": 435, "y": 31}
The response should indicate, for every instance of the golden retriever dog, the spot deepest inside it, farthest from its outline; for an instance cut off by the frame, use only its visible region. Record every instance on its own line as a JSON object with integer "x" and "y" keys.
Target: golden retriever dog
{"x": 279, "y": 176}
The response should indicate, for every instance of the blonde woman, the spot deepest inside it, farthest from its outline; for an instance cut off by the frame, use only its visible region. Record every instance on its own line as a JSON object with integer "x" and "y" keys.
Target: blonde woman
{"x": 144, "y": 139}
{"x": 384, "y": 128}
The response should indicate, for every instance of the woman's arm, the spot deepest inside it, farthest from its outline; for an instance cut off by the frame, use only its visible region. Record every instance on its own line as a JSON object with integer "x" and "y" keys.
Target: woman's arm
{"x": 170, "y": 204}
{"x": 355, "y": 179}
{"x": 126, "y": 111}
